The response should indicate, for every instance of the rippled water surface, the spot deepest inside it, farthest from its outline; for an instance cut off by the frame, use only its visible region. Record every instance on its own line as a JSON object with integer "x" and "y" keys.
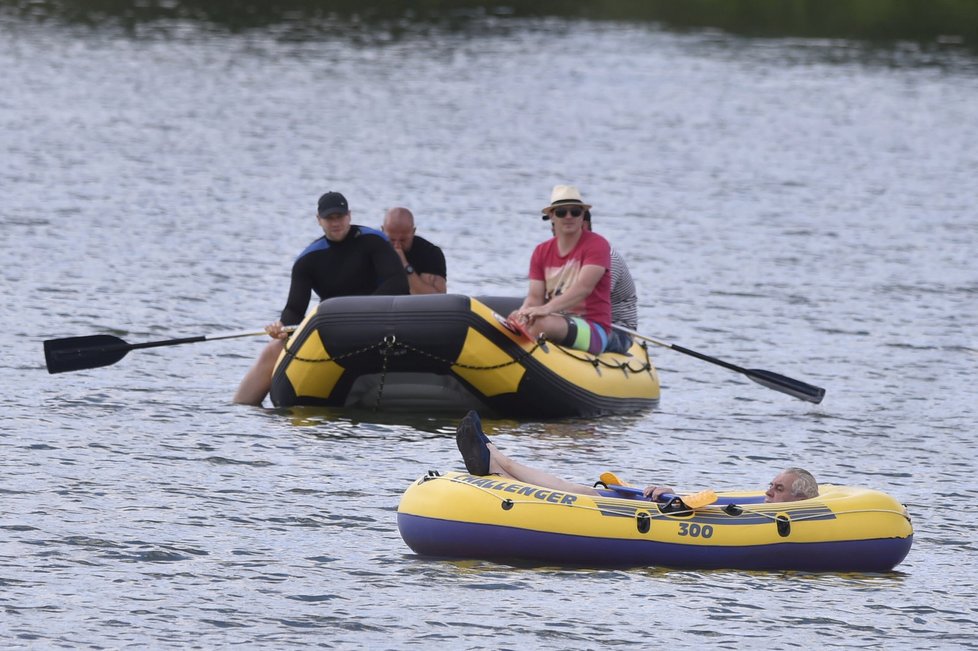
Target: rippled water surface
{"x": 806, "y": 207}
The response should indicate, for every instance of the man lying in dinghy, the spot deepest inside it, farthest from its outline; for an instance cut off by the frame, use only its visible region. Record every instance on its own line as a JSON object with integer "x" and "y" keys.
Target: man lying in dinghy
{"x": 483, "y": 458}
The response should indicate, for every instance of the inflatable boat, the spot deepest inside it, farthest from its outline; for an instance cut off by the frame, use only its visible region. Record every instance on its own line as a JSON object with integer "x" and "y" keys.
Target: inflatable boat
{"x": 452, "y": 353}
{"x": 844, "y": 529}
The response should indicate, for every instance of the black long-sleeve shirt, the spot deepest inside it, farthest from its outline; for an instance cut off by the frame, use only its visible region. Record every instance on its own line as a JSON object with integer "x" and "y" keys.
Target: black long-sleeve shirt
{"x": 362, "y": 263}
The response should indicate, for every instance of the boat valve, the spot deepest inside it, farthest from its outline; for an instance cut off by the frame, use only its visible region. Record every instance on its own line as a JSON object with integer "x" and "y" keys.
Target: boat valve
{"x": 643, "y": 521}
{"x": 784, "y": 525}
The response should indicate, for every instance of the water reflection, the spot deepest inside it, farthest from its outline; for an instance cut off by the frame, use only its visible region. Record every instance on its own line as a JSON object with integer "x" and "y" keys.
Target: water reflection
{"x": 935, "y": 23}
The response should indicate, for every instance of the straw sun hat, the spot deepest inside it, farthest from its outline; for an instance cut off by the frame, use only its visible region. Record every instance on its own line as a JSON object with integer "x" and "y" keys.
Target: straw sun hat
{"x": 564, "y": 195}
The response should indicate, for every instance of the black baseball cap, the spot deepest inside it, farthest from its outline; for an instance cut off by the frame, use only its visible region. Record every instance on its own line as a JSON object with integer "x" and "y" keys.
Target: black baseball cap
{"x": 332, "y": 203}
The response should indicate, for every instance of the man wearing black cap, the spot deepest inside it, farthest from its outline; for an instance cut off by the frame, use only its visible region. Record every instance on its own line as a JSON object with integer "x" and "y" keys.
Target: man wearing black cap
{"x": 349, "y": 260}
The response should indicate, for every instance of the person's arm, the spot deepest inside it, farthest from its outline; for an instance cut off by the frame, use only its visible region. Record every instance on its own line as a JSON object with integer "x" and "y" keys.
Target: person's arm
{"x": 426, "y": 283}
{"x": 428, "y": 275}
{"x": 391, "y": 277}
{"x": 534, "y": 297}
{"x": 584, "y": 284}
{"x": 299, "y": 293}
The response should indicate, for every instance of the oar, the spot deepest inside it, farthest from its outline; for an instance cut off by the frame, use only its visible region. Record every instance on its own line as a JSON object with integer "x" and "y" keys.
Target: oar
{"x": 76, "y": 353}
{"x": 787, "y": 385}
{"x": 692, "y": 501}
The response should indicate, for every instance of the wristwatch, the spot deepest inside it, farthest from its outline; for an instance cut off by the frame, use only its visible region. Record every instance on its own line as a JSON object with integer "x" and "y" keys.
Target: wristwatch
{"x": 409, "y": 269}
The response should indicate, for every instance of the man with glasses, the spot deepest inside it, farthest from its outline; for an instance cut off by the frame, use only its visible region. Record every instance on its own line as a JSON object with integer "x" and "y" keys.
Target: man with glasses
{"x": 569, "y": 299}
{"x": 349, "y": 260}
{"x": 624, "y": 299}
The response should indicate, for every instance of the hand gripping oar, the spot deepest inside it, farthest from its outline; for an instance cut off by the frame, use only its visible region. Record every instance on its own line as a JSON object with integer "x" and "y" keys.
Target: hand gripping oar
{"x": 787, "y": 385}
{"x": 76, "y": 353}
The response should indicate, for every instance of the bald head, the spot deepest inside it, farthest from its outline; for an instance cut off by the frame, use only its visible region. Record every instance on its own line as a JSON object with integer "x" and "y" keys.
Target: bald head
{"x": 399, "y": 227}
{"x": 398, "y": 217}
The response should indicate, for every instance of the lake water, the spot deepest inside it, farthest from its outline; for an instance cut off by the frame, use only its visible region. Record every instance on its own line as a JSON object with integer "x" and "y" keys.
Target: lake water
{"x": 802, "y": 206}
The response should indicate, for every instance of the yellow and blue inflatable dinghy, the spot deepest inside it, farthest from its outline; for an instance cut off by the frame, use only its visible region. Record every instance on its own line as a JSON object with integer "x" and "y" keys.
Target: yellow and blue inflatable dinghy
{"x": 845, "y": 529}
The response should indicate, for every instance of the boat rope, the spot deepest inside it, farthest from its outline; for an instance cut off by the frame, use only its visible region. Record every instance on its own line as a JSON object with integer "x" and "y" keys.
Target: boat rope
{"x": 334, "y": 358}
{"x": 596, "y": 361}
{"x": 816, "y": 516}
{"x": 389, "y": 344}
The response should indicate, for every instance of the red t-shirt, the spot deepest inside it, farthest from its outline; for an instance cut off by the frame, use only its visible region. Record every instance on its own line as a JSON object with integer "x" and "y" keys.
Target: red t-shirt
{"x": 559, "y": 272}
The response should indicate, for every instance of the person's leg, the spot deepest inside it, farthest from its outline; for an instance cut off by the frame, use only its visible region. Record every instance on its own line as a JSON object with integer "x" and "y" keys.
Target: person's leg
{"x": 258, "y": 380}
{"x": 483, "y": 458}
{"x": 500, "y": 464}
{"x": 572, "y": 332}
{"x": 618, "y": 342}
{"x": 554, "y": 326}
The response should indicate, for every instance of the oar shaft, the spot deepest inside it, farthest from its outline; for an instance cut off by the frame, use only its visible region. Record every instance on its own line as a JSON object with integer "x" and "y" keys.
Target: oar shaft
{"x": 169, "y": 342}
{"x": 192, "y": 340}
{"x": 784, "y": 384}
{"x": 707, "y": 358}
{"x": 77, "y": 353}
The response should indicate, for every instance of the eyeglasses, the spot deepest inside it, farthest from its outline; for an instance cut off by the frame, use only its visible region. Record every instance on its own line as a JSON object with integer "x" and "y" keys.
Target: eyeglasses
{"x": 562, "y": 212}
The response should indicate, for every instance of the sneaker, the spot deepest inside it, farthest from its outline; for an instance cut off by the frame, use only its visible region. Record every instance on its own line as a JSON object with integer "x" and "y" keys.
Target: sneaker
{"x": 472, "y": 444}
{"x": 478, "y": 426}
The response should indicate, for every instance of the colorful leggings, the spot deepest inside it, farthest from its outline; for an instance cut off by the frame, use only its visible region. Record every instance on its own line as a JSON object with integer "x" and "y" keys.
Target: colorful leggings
{"x": 584, "y": 335}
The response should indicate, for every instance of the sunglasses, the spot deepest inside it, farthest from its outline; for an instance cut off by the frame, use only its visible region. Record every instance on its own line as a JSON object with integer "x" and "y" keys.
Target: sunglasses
{"x": 562, "y": 212}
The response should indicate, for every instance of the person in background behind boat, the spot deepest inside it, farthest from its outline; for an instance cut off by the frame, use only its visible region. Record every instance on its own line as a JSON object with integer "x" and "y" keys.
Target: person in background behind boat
{"x": 624, "y": 299}
{"x": 423, "y": 262}
{"x": 569, "y": 299}
{"x": 348, "y": 260}
{"x": 483, "y": 458}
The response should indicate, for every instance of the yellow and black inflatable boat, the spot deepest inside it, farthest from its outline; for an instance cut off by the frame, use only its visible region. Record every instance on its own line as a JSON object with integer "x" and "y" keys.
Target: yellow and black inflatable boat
{"x": 453, "y": 353}
{"x": 844, "y": 529}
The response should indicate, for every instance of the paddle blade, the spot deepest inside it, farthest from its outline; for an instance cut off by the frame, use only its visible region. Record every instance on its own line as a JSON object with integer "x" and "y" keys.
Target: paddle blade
{"x": 787, "y": 385}
{"x": 700, "y": 499}
{"x": 608, "y": 478}
{"x": 518, "y": 327}
{"x": 77, "y": 353}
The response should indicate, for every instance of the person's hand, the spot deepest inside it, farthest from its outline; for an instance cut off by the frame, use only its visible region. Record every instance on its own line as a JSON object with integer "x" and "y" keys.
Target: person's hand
{"x": 516, "y": 316}
{"x": 529, "y": 315}
{"x": 400, "y": 252}
{"x": 276, "y": 330}
{"x": 655, "y": 492}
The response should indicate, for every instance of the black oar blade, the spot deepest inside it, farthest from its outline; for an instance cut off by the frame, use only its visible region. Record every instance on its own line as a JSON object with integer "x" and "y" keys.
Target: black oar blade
{"x": 786, "y": 385}
{"x": 77, "y": 353}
